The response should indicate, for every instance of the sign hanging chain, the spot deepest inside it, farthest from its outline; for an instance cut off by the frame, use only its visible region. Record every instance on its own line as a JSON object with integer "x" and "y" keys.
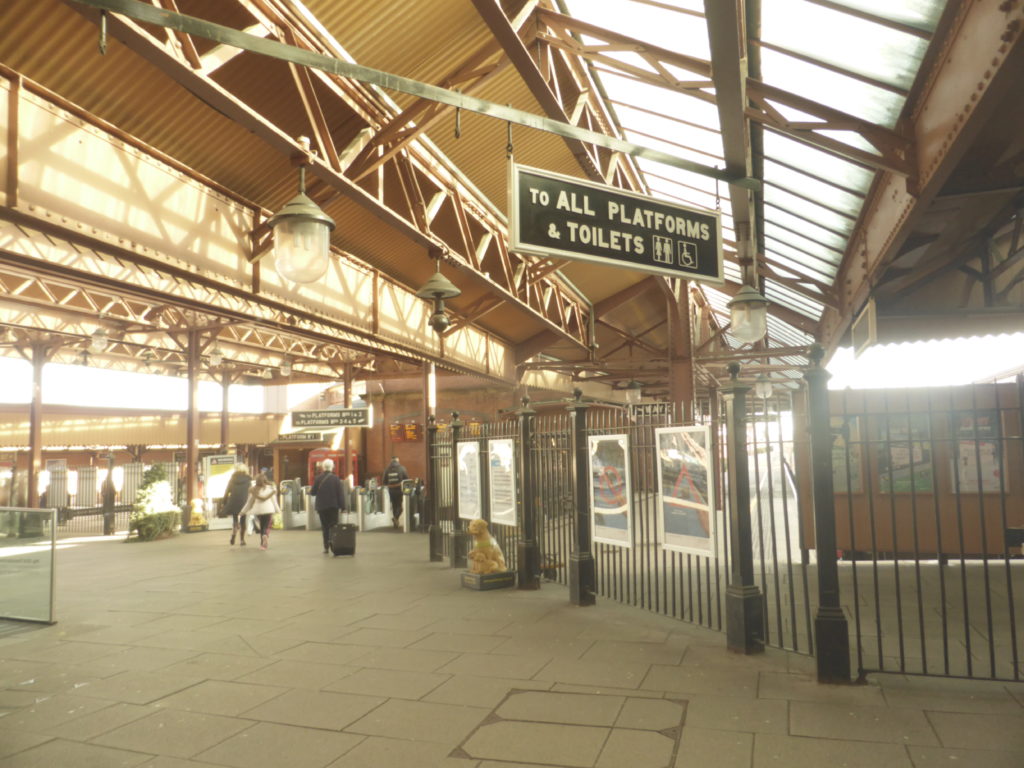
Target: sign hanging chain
{"x": 458, "y": 122}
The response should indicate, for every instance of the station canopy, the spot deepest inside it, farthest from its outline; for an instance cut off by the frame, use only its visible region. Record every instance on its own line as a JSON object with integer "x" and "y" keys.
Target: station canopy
{"x": 847, "y": 159}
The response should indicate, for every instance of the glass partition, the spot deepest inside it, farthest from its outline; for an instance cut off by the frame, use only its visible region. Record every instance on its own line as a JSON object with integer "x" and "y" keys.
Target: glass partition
{"x": 28, "y": 540}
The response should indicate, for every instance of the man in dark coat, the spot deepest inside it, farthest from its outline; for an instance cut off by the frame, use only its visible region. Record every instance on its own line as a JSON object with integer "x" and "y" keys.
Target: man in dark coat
{"x": 331, "y": 497}
{"x": 235, "y": 496}
{"x": 393, "y": 477}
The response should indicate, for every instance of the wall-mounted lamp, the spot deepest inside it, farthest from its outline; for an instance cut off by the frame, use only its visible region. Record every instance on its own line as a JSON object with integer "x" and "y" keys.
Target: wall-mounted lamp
{"x": 763, "y": 387}
{"x": 286, "y": 367}
{"x": 437, "y": 289}
{"x": 302, "y": 236}
{"x": 98, "y": 341}
{"x": 216, "y": 357}
{"x": 147, "y": 360}
{"x": 748, "y": 311}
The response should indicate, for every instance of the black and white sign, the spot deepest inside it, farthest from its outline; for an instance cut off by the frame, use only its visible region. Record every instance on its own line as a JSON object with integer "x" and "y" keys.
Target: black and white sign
{"x": 334, "y": 417}
{"x": 300, "y": 437}
{"x": 555, "y": 215}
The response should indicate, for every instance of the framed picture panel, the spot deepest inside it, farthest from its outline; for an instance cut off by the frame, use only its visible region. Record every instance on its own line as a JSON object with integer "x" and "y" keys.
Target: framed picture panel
{"x": 686, "y": 519}
{"x": 501, "y": 475}
{"x": 610, "y": 509}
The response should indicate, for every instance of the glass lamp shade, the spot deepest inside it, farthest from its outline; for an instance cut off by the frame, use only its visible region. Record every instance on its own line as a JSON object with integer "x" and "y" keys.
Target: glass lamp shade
{"x": 216, "y": 357}
{"x": 749, "y": 315}
{"x": 302, "y": 238}
{"x": 763, "y": 387}
{"x": 98, "y": 341}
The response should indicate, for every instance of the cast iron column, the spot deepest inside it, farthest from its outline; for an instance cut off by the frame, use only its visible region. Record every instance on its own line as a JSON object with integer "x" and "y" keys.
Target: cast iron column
{"x": 744, "y": 604}
{"x": 831, "y": 629}
{"x": 460, "y": 538}
{"x": 434, "y": 535}
{"x": 527, "y": 552}
{"x": 582, "y": 570}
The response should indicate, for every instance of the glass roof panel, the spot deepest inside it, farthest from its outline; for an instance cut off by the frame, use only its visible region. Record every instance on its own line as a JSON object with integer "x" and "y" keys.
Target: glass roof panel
{"x": 790, "y": 181}
{"x": 843, "y": 40}
{"x": 796, "y": 240}
{"x": 807, "y": 209}
{"x": 795, "y": 223}
{"x": 831, "y": 89}
{"x": 822, "y": 163}
{"x": 923, "y": 14}
{"x": 649, "y": 22}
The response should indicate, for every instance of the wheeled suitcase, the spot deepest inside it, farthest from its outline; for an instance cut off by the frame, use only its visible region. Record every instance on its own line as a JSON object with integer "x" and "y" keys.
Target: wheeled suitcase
{"x": 343, "y": 539}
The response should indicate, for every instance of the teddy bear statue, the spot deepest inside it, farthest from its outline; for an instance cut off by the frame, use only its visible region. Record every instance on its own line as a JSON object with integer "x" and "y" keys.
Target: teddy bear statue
{"x": 485, "y": 556}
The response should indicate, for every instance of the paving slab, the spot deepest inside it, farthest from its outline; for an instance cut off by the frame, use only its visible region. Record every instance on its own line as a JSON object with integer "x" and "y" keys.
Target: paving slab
{"x": 625, "y": 747}
{"x": 315, "y": 709}
{"x": 420, "y": 721}
{"x": 272, "y": 744}
{"x": 473, "y": 691}
{"x": 103, "y": 720}
{"x": 390, "y": 683}
{"x": 777, "y": 751}
{"x": 561, "y": 745}
{"x": 941, "y": 757}
{"x": 979, "y": 731}
{"x": 220, "y": 697}
{"x": 737, "y": 713}
{"x": 378, "y": 752}
{"x": 487, "y": 665}
{"x": 60, "y": 752}
{"x": 139, "y": 687}
{"x": 567, "y": 708}
{"x": 875, "y": 724}
{"x": 578, "y": 672}
{"x": 702, "y": 747}
{"x": 651, "y": 714}
{"x": 173, "y": 733}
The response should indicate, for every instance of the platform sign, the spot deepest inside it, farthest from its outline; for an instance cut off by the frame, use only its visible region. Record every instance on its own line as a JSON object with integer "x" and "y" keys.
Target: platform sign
{"x": 560, "y": 216}
{"x": 332, "y": 417}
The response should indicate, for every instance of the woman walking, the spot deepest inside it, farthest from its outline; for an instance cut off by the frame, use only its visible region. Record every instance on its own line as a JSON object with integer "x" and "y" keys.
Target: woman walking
{"x": 235, "y": 497}
{"x": 262, "y": 503}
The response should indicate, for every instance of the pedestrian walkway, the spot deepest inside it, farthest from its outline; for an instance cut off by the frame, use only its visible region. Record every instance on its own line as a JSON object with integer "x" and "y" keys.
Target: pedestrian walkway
{"x": 188, "y": 652}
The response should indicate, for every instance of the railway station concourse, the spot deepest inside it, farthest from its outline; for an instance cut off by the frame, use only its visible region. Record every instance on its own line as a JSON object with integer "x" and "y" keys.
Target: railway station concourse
{"x": 580, "y": 265}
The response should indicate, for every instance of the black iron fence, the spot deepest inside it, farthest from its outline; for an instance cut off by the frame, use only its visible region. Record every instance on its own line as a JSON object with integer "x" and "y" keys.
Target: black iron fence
{"x": 926, "y": 496}
{"x": 929, "y": 504}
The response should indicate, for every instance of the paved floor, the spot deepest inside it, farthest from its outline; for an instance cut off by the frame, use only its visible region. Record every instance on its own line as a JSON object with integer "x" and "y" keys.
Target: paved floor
{"x": 189, "y": 652}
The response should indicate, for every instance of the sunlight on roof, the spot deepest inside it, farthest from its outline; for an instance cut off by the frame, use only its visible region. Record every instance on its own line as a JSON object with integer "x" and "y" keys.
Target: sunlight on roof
{"x": 95, "y": 387}
{"x": 949, "y": 362}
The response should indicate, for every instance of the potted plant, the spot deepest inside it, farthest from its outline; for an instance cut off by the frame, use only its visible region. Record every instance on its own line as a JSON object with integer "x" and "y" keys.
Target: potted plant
{"x": 154, "y": 513}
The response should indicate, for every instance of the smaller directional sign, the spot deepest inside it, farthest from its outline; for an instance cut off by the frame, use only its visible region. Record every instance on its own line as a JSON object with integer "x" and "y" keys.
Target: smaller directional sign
{"x": 555, "y": 215}
{"x": 333, "y": 417}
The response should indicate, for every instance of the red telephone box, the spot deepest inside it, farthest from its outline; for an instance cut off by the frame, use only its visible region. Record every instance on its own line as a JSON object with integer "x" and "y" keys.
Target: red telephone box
{"x": 337, "y": 456}
{"x": 319, "y": 454}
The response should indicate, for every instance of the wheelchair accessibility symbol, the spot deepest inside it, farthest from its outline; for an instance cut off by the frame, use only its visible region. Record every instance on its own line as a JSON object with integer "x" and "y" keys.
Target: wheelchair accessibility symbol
{"x": 667, "y": 251}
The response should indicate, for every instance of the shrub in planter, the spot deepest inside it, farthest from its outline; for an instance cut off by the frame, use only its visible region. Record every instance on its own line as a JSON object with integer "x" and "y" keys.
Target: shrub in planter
{"x": 154, "y": 514}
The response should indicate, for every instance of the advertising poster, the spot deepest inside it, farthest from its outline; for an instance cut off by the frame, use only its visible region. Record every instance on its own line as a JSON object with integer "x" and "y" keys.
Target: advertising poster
{"x": 610, "y": 489}
{"x": 905, "y": 454}
{"x": 469, "y": 480}
{"x": 501, "y": 477}
{"x": 685, "y": 493}
{"x": 846, "y": 454}
{"x": 978, "y": 459}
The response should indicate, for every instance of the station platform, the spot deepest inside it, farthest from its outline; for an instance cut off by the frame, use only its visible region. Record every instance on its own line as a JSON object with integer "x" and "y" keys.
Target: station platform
{"x": 191, "y": 652}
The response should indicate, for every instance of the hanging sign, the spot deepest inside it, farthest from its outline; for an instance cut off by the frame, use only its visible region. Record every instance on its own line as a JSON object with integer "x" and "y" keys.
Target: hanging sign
{"x": 333, "y": 417}
{"x": 555, "y": 215}
{"x": 299, "y": 437}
